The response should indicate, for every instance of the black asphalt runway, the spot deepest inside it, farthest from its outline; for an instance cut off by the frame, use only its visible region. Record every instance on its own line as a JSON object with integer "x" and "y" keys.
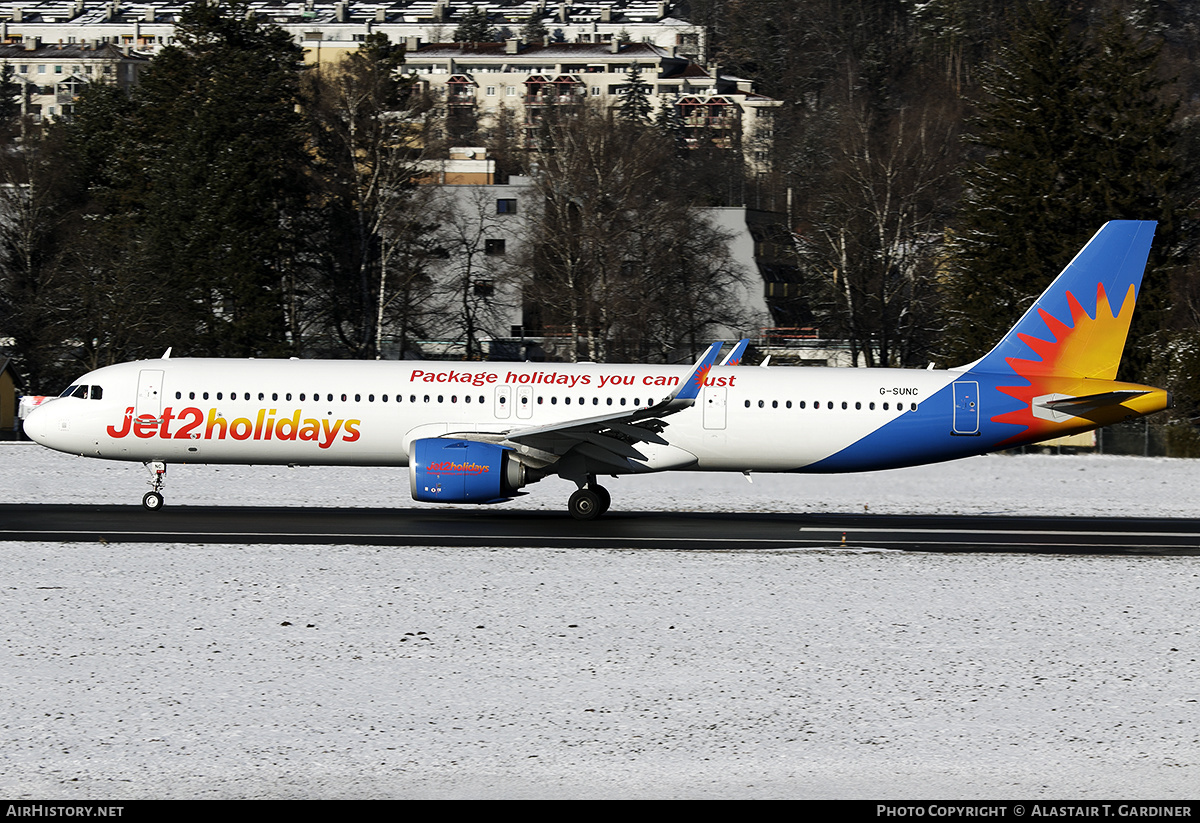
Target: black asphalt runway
{"x": 616, "y": 530}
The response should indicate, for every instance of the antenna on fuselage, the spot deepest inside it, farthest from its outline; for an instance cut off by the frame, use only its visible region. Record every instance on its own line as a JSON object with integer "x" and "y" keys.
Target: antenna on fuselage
{"x": 167, "y": 353}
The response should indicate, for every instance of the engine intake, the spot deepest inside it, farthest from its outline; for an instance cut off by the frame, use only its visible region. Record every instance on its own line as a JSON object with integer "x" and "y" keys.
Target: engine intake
{"x": 443, "y": 470}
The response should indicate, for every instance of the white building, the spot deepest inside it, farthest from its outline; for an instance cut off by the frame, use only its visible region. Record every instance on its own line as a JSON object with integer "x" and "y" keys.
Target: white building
{"x": 328, "y": 26}
{"x": 531, "y": 78}
{"x": 51, "y": 76}
{"x": 483, "y": 232}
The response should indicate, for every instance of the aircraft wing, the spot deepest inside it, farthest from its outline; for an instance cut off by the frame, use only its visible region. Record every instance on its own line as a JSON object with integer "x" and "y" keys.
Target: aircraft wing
{"x": 608, "y": 442}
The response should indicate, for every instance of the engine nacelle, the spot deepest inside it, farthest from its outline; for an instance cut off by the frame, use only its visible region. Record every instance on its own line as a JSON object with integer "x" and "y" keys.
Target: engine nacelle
{"x": 444, "y": 470}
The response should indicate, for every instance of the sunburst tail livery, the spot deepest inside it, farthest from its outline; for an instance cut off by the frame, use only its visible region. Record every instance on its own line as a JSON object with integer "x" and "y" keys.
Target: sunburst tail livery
{"x": 482, "y": 432}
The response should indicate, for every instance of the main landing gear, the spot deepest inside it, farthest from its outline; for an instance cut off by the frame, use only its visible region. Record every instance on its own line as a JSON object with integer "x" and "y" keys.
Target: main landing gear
{"x": 590, "y": 502}
{"x": 153, "y": 500}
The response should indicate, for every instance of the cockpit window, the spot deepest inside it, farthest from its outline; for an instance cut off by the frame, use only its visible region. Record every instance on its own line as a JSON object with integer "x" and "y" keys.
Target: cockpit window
{"x": 84, "y": 392}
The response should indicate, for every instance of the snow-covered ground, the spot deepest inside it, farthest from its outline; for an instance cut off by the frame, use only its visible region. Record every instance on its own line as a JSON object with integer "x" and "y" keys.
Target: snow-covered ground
{"x": 280, "y": 671}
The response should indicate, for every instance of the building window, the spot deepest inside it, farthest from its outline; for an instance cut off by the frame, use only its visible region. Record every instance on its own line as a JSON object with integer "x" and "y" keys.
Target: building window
{"x": 493, "y": 247}
{"x": 506, "y": 206}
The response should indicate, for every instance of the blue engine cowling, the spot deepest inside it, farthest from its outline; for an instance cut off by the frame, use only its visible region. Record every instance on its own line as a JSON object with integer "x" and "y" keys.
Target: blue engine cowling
{"x": 443, "y": 470}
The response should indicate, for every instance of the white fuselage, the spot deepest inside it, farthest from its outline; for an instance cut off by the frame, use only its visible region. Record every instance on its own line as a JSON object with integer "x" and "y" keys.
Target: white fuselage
{"x": 368, "y": 413}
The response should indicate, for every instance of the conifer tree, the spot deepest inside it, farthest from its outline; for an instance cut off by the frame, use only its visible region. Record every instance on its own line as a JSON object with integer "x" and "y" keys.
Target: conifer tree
{"x": 1074, "y": 132}
{"x": 635, "y": 100}
{"x": 10, "y": 99}
{"x": 534, "y": 29}
{"x": 474, "y": 27}
{"x": 223, "y": 151}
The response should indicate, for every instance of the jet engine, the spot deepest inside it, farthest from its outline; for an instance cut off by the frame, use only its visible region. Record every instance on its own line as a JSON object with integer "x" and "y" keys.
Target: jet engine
{"x": 445, "y": 470}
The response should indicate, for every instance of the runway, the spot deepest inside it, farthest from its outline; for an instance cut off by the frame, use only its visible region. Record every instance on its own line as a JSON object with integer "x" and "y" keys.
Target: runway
{"x": 616, "y": 530}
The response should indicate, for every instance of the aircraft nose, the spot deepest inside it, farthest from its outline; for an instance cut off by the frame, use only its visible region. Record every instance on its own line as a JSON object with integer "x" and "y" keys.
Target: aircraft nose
{"x": 37, "y": 425}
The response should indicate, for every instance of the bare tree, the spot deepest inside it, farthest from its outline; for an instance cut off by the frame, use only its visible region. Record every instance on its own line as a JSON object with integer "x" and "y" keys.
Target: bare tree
{"x": 875, "y": 238}
{"x": 606, "y": 239}
{"x": 475, "y": 275}
{"x": 376, "y": 233}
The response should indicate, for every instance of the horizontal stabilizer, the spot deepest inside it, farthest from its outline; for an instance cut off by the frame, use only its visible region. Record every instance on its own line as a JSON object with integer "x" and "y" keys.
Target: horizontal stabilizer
{"x": 1093, "y": 401}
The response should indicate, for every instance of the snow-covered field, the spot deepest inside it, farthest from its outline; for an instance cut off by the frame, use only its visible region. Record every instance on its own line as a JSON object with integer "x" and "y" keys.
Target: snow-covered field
{"x": 158, "y": 671}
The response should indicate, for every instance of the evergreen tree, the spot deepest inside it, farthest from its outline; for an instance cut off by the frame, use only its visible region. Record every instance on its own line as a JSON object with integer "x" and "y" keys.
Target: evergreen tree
{"x": 534, "y": 29}
{"x": 223, "y": 151}
{"x": 473, "y": 27}
{"x": 10, "y": 100}
{"x": 670, "y": 122}
{"x": 635, "y": 98}
{"x": 1074, "y": 132}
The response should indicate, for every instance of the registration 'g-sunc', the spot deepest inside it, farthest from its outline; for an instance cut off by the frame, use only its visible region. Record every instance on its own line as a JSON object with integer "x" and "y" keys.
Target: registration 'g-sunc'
{"x": 480, "y": 432}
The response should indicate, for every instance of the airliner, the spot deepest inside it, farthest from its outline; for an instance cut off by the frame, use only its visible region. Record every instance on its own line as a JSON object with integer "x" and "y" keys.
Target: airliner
{"x": 481, "y": 432}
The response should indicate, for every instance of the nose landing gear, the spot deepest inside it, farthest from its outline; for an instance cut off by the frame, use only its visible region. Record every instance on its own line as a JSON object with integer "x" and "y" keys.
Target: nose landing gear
{"x": 153, "y": 500}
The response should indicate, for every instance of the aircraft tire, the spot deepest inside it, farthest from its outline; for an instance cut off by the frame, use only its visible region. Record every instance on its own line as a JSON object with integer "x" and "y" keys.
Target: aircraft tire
{"x": 585, "y": 504}
{"x": 152, "y": 501}
{"x": 605, "y": 497}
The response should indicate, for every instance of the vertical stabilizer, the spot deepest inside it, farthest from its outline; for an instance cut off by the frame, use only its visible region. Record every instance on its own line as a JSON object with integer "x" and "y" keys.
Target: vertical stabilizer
{"x": 1078, "y": 327}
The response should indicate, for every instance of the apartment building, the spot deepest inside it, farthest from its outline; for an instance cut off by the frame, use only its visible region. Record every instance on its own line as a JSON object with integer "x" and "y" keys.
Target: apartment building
{"x": 51, "y": 76}
{"x": 530, "y": 79}
{"x": 326, "y": 27}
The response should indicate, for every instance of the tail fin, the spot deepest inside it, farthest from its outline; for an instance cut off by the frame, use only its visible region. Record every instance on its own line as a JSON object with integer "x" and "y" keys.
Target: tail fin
{"x": 1078, "y": 327}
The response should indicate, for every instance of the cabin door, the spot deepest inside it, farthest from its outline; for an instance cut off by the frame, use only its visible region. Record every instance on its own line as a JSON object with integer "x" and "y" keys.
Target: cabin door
{"x": 149, "y": 394}
{"x": 966, "y": 407}
{"x": 714, "y": 407}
